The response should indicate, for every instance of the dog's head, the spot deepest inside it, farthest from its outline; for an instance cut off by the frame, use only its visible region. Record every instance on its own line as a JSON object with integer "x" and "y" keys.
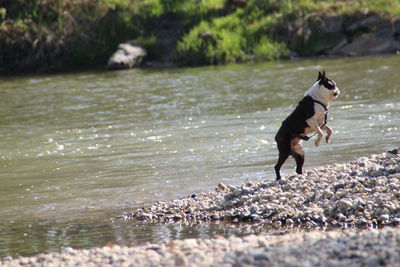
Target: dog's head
{"x": 327, "y": 86}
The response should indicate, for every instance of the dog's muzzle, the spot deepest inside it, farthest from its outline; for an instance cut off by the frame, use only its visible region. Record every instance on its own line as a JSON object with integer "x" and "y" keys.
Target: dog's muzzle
{"x": 336, "y": 92}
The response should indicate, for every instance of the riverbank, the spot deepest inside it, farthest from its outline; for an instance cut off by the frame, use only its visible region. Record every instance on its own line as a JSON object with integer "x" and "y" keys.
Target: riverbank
{"x": 364, "y": 193}
{"x": 360, "y": 193}
{"x": 336, "y": 248}
{"x": 50, "y": 36}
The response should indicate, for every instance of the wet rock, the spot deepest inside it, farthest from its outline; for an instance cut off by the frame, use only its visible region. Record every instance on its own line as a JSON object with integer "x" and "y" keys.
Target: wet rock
{"x": 394, "y": 151}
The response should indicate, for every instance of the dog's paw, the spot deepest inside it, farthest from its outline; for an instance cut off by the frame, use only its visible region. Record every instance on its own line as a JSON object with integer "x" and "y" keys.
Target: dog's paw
{"x": 328, "y": 139}
{"x": 317, "y": 142}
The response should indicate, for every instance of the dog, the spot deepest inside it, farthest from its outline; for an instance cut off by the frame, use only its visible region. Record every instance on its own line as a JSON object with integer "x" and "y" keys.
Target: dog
{"x": 309, "y": 116}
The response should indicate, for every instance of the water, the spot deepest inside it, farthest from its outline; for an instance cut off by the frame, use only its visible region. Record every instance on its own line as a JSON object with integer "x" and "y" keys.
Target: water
{"x": 79, "y": 149}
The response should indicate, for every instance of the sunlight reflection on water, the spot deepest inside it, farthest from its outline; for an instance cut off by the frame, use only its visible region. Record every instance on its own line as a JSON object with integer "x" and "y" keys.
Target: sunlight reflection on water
{"x": 76, "y": 145}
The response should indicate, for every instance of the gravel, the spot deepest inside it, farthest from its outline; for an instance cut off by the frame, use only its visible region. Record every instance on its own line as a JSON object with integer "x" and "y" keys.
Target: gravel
{"x": 359, "y": 193}
{"x": 336, "y": 248}
{"x": 363, "y": 193}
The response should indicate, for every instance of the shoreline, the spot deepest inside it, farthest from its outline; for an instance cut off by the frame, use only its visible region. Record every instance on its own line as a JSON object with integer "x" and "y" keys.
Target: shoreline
{"x": 316, "y": 248}
{"x": 353, "y": 193}
{"x": 158, "y": 65}
{"x": 364, "y": 193}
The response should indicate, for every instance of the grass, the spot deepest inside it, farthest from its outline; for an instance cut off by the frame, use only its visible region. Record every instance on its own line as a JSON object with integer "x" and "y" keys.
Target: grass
{"x": 251, "y": 33}
{"x": 60, "y": 34}
{"x": 232, "y": 38}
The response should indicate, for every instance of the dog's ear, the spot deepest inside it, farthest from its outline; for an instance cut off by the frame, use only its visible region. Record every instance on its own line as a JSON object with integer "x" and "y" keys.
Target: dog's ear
{"x": 321, "y": 76}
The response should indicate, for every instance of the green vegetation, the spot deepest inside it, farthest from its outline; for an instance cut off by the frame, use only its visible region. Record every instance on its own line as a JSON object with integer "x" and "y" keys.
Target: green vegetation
{"x": 64, "y": 34}
{"x": 240, "y": 36}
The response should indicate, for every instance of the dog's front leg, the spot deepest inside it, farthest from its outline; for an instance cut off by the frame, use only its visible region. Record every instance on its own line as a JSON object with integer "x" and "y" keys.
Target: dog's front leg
{"x": 329, "y": 131}
{"x": 313, "y": 123}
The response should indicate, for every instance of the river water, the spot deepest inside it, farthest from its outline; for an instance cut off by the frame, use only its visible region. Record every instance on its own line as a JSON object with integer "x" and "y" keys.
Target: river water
{"x": 79, "y": 149}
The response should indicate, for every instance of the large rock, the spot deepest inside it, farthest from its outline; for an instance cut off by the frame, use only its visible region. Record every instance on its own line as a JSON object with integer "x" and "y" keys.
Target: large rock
{"x": 380, "y": 42}
{"x": 127, "y": 56}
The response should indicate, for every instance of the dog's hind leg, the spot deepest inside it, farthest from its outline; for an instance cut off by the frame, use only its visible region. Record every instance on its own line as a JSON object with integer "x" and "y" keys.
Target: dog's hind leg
{"x": 296, "y": 150}
{"x": 299, "y": 162}
{"x": 284, "y": 152}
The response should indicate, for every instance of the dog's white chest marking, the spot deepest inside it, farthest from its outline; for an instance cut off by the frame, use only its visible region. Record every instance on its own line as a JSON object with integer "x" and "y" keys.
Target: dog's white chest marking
{"x": 317, "y": 120}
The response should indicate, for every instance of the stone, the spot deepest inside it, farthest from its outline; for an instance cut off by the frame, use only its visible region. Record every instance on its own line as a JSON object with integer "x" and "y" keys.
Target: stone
{"x": 396, "y": 221}
{"x": 341, "y": 217}
{"x": 287, "y": 187}
{"x": 338, "y": 186}
{"x": 376, "y": 173}
{"x": 283, "y": 181}
{"x": 127, "y": 56}
{"x": 231, "y": 187}
{"x": 361, "y": 223}
{"x": 180, "y": 260}
{"x": 384, "y": 217}
{"x": 345, "y": 204}
{"x": 222, "y": 186}
{"x": 327, "y": 194}
{"x": 371, "y": 44}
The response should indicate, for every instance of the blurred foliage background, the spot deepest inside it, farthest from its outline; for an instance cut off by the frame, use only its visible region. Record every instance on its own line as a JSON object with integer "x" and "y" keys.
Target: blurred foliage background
{"x": 46, "y": 35}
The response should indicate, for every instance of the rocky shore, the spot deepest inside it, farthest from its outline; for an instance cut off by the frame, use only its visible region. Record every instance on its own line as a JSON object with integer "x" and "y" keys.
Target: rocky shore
{"x": 364, "y": 193}
{"x": 359, "y": 193}
{"x": 336, "y": 248}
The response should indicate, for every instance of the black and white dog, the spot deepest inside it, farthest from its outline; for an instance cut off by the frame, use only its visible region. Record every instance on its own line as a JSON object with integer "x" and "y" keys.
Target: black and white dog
{"x": 309, "y": 116}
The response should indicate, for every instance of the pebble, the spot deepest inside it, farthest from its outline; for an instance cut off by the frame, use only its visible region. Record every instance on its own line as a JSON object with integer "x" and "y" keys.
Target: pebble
{"x": 363, "y": 189}
{"x": 315, "y": 248}
{"x": 363, "y": 193}
{"x": 222, "y": 186}
{"x": 345, "y": 204}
